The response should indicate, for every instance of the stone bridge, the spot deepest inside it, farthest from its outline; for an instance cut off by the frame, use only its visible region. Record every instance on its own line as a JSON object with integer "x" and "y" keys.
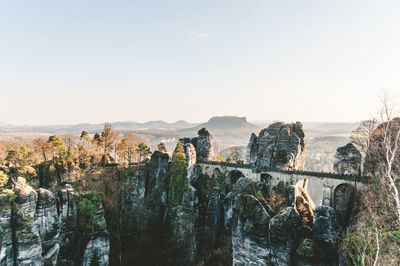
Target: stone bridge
{"x": 324, "y": 188}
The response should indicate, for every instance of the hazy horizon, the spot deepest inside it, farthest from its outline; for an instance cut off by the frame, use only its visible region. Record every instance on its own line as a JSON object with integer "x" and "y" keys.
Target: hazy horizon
{"x": 257, "y": 121}
{"x": 94, "y": 61}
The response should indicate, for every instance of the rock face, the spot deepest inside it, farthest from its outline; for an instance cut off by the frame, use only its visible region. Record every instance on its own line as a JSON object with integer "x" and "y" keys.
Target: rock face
{"x": 99, "y": 241}
{"x": 204, "y": 145}
{"x": 249, "y": 231}
{"x": 326, "y": 231}
{"x": 348, "y": 160}
{"x": 28, "y": 245}
{"x": 279, "y": 146}
{"x": 48, "y": 221}
{"x": 284, "y": 235}
{"x": 156, "y": 189}
{"x": 6, "y": 232}
{"x": 39, "y": 228}
{"x": 376, "y": 153}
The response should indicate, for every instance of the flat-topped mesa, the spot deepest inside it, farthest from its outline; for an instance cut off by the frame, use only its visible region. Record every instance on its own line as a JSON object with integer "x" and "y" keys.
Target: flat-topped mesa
{"x": 280, "y": 146}
{"x": 204, "y": 145}
{"x": 347, "y": 160}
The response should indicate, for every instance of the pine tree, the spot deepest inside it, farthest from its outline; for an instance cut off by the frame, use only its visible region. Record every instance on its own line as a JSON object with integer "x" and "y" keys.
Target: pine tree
{"x": 178, "y": 180}
{"x": 143, "y": 150}
{"x": 95, "y": 258}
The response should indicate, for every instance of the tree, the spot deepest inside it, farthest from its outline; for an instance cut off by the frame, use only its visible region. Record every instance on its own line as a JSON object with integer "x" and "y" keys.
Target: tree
{"x": 84, "y": 135}
{"x": 41, "y": 146}
{"x": 390, "y": 145}
{"x": 219, "y": 158}
{"x": 95, "y": 258}
{"x": 3, "y": 179}
{"x": 126, "y": 149}
{"x": 24, "y": 157}
{"x": 12, "y": 157}
{"x": 143, "y": 151}
{"x": 178, "y": 180}
{"x": 57, "y": 146}
{"x": 361, "y": 137}
{"x": 98, "y": 144}
{"x": 107, "y": 137}
{"x": 161, "y": 147}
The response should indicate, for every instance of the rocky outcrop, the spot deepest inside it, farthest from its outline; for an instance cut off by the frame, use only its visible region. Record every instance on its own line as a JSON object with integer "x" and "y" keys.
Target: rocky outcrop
{"x": 99, "y": 242}
{"x": 280, "y": 146}
{"x": 347, "y": 160}
{"x": 249, "y": 231}
{"x": 39, "y": 228}
{"x": 156, "y": 190}
{"x": 375, "y": 156}
{"x": 303, "y": 202}
{"x": 27, "y": 244}
{"x": 183, "y": 219}
{"x": 190, "y": 152}
{"x": 284, "y": 235}
{"x": 48, "y": 222}
{"x": 326, "y": 231}
{"x": 204, "y": 145}
{"x": 6, "y": 231}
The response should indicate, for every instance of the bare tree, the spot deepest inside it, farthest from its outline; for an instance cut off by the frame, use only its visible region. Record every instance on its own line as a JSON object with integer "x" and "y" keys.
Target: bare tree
{"x": 361, "y": 137}
{"x": 390, "y": 145}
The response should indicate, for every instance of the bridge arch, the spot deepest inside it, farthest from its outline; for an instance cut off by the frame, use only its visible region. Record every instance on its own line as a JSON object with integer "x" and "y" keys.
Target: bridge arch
{"x": 343, "y": 202}
{"x": 234, "y": 176}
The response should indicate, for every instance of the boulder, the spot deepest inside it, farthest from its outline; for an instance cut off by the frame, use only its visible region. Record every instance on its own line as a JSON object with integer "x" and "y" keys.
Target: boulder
{"x": 347, "y": 160}
{"x": 280, "y": 146}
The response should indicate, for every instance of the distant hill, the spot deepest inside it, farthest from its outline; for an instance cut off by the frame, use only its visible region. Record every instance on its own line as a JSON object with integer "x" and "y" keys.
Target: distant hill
{"x": 128, "y": 125}
{"x": 232, "y": 123}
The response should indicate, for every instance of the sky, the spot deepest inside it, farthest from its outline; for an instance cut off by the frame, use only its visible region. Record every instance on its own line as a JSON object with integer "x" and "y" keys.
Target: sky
{"x": 65, "y": 62}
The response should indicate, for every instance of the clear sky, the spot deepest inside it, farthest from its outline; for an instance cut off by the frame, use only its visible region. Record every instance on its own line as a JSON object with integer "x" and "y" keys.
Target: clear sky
{"x": 94, "y": 61}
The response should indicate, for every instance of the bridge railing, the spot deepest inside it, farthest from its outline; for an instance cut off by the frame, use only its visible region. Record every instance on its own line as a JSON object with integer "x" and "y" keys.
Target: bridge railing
{"x": 363, "y": 179}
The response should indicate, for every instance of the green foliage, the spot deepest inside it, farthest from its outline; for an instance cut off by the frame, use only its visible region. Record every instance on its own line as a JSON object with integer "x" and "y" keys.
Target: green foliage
{"x": 260, "y": 196}
{"x": 84, "y": 135}
{"x": 24, "y": 156}
{"x": 95, "y": 258}
{"x": 3, "y": 179}
{"x": 143, "y": 150}
{"x": 88, "y": 206}
{"x": 97, "y": 139}
{"x": 178, "y": 180}
{"x": 56, "y": 145}
{"x": 393, "y": 236}
{"x": 12, "y": 156}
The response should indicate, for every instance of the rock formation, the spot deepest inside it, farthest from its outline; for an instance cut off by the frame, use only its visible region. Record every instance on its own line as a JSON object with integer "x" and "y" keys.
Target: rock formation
{"x": 204, "y": 145}
{"x": 39, "y": 228}
{"x": 280, "y": 146}
{"x": 348, "y": 160}
{"x": 249, "y": 231}
{"x": 284, "y": 235}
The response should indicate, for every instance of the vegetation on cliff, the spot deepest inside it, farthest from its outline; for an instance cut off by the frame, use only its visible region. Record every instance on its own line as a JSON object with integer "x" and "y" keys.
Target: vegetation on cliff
{"x": 178, "y": 175}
